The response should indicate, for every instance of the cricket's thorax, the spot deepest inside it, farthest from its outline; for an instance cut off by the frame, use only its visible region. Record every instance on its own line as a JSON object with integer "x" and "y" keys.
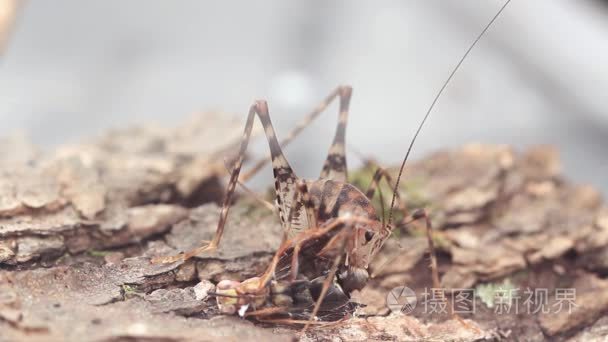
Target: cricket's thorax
{"x": 333, "y": 199}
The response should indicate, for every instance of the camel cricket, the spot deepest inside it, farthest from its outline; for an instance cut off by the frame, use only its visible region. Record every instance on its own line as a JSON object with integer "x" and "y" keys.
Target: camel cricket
{"x": 331, "y": 229}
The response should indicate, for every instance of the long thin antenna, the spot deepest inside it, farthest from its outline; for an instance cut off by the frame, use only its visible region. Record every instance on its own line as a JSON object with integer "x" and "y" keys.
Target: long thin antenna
{"x": 428, "y": 112}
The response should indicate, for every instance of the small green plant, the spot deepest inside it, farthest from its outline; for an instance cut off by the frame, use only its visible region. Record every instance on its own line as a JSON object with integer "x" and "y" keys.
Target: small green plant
{"x": 128, "y": 290}
{"x": 496, "y": 293}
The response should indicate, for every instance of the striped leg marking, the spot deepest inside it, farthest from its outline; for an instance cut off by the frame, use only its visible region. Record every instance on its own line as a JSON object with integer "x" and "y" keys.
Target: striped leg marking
{"x": 343, "y": 92}
{"x": 335, "y": 164}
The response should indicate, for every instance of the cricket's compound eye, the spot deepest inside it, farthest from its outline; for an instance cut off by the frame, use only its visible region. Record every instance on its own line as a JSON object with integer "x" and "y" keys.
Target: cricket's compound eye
{"x": 368, "y": 236}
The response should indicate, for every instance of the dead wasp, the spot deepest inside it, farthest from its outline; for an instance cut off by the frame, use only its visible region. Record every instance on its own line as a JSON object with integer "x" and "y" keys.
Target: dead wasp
{"x": 331, "y": 229}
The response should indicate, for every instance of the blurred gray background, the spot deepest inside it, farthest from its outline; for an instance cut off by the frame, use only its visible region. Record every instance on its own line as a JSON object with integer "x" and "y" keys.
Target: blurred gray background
{"x": 74, "y": 68}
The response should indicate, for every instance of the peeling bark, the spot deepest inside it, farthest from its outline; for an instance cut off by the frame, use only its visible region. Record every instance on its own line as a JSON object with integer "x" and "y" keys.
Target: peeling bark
{"x": 109, "y": 192}
{"x": 79, "y": 225}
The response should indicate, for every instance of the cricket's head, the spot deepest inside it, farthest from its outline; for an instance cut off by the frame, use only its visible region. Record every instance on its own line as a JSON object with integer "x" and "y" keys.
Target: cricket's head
{"x": 368, "y": 241}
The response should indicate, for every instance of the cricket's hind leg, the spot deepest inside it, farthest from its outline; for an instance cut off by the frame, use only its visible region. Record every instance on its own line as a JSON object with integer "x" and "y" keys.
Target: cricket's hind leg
{"x": 343, "y": 92}
{"x": 285, "y": 180}
{"x": 335, "y": 165}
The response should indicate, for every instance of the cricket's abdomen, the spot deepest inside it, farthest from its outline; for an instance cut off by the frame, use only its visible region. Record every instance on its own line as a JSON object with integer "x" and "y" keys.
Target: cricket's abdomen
{"x": 333, "y": 199}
